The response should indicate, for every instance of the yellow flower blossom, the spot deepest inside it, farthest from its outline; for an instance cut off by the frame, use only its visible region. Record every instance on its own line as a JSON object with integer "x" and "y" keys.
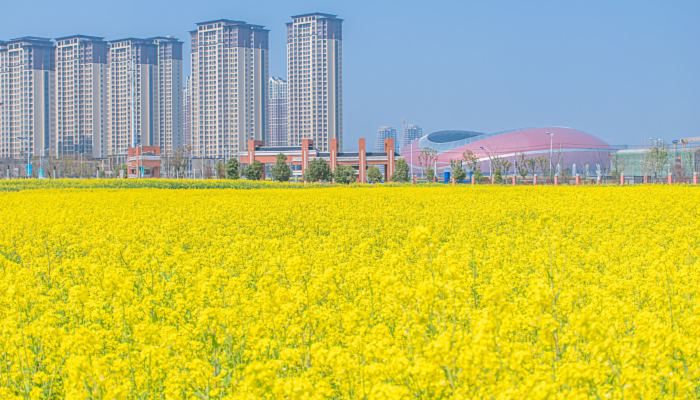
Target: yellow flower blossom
{"x": 178, "y": 289}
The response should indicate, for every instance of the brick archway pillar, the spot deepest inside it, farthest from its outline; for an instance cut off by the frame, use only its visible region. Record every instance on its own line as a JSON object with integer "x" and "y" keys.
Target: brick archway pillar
{"x": 391, "y": 155}
{"x": 334, "y": 153}
{"x": 305, "y": 145}
{"x": 362, "y": 152}
{"x": 251, "y": 151}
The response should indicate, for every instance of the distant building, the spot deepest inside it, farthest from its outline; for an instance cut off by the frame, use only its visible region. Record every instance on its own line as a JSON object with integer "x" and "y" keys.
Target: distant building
{"x": 277, "y": 113}
{"x": 27, "y": 68}
{"x": 229, "y": 87}
{"x": 681, "y": 161}
{"x": 81, "y": 96}
{"x": 410, "y": 133}
{"x": 132, "y": 105}
{"x": 314, "y": 62}
{"x": 385, "y": 132}
{"x": 168, "y": 95}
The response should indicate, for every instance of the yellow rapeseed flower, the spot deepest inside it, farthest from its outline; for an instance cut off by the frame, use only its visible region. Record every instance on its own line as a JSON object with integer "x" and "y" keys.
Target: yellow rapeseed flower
{"x": 357, "y": 293}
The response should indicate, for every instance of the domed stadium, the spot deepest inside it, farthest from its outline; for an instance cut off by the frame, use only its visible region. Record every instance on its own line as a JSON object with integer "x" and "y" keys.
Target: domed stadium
{"x": 568, "y": 148}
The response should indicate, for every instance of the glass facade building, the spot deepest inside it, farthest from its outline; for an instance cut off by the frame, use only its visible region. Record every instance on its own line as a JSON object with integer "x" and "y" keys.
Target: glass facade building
{"x": 277, "y": 113}
{"x": 384, "y": 133}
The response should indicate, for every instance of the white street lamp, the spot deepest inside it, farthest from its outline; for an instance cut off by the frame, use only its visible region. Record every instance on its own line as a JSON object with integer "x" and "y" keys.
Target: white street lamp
{"x": 488, "y": 153}
{"x": 551, "y": 151}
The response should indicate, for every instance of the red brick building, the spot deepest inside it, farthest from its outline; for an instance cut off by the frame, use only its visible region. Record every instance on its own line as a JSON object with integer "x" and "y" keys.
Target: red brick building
{"x": 298, "y": 157}
{"x": 143, "y": 162}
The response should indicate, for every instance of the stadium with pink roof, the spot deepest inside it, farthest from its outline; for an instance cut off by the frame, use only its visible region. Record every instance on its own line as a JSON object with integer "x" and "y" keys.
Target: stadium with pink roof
{"x": 566, "y": 148}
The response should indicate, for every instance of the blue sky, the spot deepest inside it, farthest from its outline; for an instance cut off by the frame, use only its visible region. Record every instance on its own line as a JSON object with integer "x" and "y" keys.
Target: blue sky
{"x": 625, "y": 70}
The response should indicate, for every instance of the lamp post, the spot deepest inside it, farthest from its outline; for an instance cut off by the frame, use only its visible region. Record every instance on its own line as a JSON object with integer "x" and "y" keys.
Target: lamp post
{"x": 551, "y": 151}
{"x": 28, "y": 151}
{"x": 2, "y": 76}
{"x": 41, "y": 164}
{"x": 677, "y": 160}
{"x": 411, "y": 153}
{"x": 140, "y": 160}
{"x": 488, "y": 153}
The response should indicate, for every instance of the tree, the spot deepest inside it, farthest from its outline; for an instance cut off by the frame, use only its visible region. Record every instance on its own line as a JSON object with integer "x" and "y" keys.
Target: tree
{"x": 522, "y": 165}
{"x": 255, "y": 171}
{"x": 430, "y": 174}
{"x": 233, "y": 169}
{"x": 208, "y": 171}
{"x": 471, "y": 161}
{"x": 220, "y": 170}
{"x": 179, "y": 163}
{"x": 477, "y": 174}
{"x": 542, "y": 164}
{"x": 281, "y": 172}
{"x": 124, "y": 171}
{"x": 401, "y": 174}
{"x": 618, "y": 165}
{"x": 500, "y": 167}
{"x": 458, "y": 172}
{"x": 426, "y": 159}
{"x": 532, "y": 166}
{"x": 318, "y": 171}
{"x": 506, "y": 164}
{"x": 656, "y": 159}
{"x": 374, "y": 175}
{"x": 344, "y": 174}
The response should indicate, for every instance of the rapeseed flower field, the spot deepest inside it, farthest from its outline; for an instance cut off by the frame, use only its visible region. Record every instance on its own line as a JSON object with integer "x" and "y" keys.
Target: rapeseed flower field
{"x": 349, "y": 293}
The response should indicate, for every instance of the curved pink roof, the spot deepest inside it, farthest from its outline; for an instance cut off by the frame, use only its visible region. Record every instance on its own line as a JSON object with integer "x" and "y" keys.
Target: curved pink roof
{"x": 571, "y": 145}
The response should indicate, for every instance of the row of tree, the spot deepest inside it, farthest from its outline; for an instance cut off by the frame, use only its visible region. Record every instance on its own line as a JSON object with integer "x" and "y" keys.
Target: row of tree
{"x": 318, "y": 170}
{"x": 654, "y": 163}
{"x": 499, "y": 166}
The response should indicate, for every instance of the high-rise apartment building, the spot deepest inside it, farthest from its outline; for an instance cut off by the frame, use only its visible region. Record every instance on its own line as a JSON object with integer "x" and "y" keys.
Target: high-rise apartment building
{"x": 384, "y": 133}
{"x": 81, "y": 96}
{"x": 314, "y": 68}
{"x": 5, "y": 137}
{"x": 132, "y": 103}
{"x": 187, "y": 109}
{"x": 277, "y": 113}
{"x": 229, "y": 87}
{"x": 411, "y": 132}
{"x": 27, "y": 68}
{"x": 168, "y": 95}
